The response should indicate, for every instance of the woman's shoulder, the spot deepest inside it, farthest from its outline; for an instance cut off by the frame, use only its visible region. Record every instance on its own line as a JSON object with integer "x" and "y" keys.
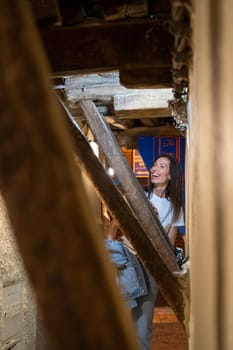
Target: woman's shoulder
{"x": 154, "y": 197}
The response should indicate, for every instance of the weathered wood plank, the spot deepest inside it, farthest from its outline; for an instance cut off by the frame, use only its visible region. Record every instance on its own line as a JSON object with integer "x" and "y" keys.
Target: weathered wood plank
{"x": 160, "y": 261}
{"x": 102, "y": 87}
{"x": 141, "y": 113}
{"x": 144, "y": 99}
{"x": 47, "y": 205}
{"x": 142, "y": 211}
{"x": 96, "y": 92}
{"x": 93, "y": 79}
{"x": 79, "y": 48}
{"x": 119, "y": 9}
{"x": 139, "y": 104}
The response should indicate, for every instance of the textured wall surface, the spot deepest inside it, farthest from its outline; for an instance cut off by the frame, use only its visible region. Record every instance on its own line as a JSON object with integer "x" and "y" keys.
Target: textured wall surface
{"x": 11, "y": 273}
{"x": 210, "y": 181}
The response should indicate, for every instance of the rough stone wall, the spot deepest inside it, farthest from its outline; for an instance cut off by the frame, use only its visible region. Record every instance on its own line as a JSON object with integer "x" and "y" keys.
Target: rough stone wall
{"x": 12, "y": 272}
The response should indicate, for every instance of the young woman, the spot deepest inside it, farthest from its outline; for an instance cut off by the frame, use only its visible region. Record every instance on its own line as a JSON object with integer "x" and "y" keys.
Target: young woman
{"x": 165, "y": 194}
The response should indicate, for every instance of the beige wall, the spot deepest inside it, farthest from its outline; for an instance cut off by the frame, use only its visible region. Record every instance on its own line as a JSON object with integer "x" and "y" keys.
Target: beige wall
{"x": 210, "y": 177}
{"x": 12, "y": 275}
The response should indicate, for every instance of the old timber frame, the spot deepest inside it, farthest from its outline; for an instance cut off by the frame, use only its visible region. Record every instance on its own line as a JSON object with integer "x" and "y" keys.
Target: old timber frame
{"x": 47, "y": 205}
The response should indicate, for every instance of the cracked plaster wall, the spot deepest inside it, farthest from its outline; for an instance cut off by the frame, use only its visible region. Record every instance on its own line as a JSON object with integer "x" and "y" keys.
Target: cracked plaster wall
{"x": 12, "y": 272}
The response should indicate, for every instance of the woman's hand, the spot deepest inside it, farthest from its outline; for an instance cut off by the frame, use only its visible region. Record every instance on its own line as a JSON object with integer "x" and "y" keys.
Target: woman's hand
{"x": 172, "y": 234}
{"x": 155, "y": 210}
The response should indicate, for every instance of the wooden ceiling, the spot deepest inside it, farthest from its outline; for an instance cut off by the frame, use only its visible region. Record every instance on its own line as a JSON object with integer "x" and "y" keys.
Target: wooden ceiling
{"x": 129, "y": 57}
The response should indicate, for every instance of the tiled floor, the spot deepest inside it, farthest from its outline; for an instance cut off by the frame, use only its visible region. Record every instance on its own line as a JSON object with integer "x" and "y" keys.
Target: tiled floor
{"x": 168, "y": 333}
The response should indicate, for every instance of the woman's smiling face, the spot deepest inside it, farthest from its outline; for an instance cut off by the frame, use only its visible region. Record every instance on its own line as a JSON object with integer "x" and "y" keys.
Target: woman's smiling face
{"x": 160, "y": 171}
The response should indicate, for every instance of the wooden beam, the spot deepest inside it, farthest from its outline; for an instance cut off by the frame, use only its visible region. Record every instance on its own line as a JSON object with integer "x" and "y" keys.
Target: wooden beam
{"x": 146, "y": 76}
{"x": 105, "y": 46}
{"x": 144, "y": 99}
{"x": 95, "y": 92}
{"x": 116, "y": 9}
{"x": 141, "y": 114}
{"x": 152, "y": 238}
{"x": 102, "y": 87}
{"x": 47, "y": 204}
{"x": 129, "y": 138}
{"x": 97, "y": 87}
{"x": 115, "y": 122}
{"x": 146, "y": 103}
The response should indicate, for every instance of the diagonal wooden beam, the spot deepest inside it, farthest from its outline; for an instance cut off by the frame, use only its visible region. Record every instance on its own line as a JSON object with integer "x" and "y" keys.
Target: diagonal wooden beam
{"x": 136, "y": 218}
{"x": 47, "y": 205}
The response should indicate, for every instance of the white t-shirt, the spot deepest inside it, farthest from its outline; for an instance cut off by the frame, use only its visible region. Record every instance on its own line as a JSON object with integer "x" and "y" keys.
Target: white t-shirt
{"x": 165, "y": 212}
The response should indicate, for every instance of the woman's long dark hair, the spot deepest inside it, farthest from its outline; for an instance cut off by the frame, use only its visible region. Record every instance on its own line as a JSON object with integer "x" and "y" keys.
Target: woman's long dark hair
{"x": 174, "y": 187}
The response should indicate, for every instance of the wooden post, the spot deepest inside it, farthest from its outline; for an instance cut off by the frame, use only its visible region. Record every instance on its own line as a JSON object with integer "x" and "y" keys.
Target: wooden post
{"x": 149, "y": 237}
{"x": 47, "y": 204}
{"x": 210, "y": 177}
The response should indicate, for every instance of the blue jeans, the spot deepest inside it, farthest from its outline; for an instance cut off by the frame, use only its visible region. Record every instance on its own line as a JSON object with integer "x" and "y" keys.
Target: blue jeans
{"x": 143, "y": 313}
{"x": 139, "y": 290}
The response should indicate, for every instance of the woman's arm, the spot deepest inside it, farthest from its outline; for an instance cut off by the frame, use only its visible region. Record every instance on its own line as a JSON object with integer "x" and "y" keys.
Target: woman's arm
{"x": 172, "y": 233}
{"x": 111, "y": 229}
